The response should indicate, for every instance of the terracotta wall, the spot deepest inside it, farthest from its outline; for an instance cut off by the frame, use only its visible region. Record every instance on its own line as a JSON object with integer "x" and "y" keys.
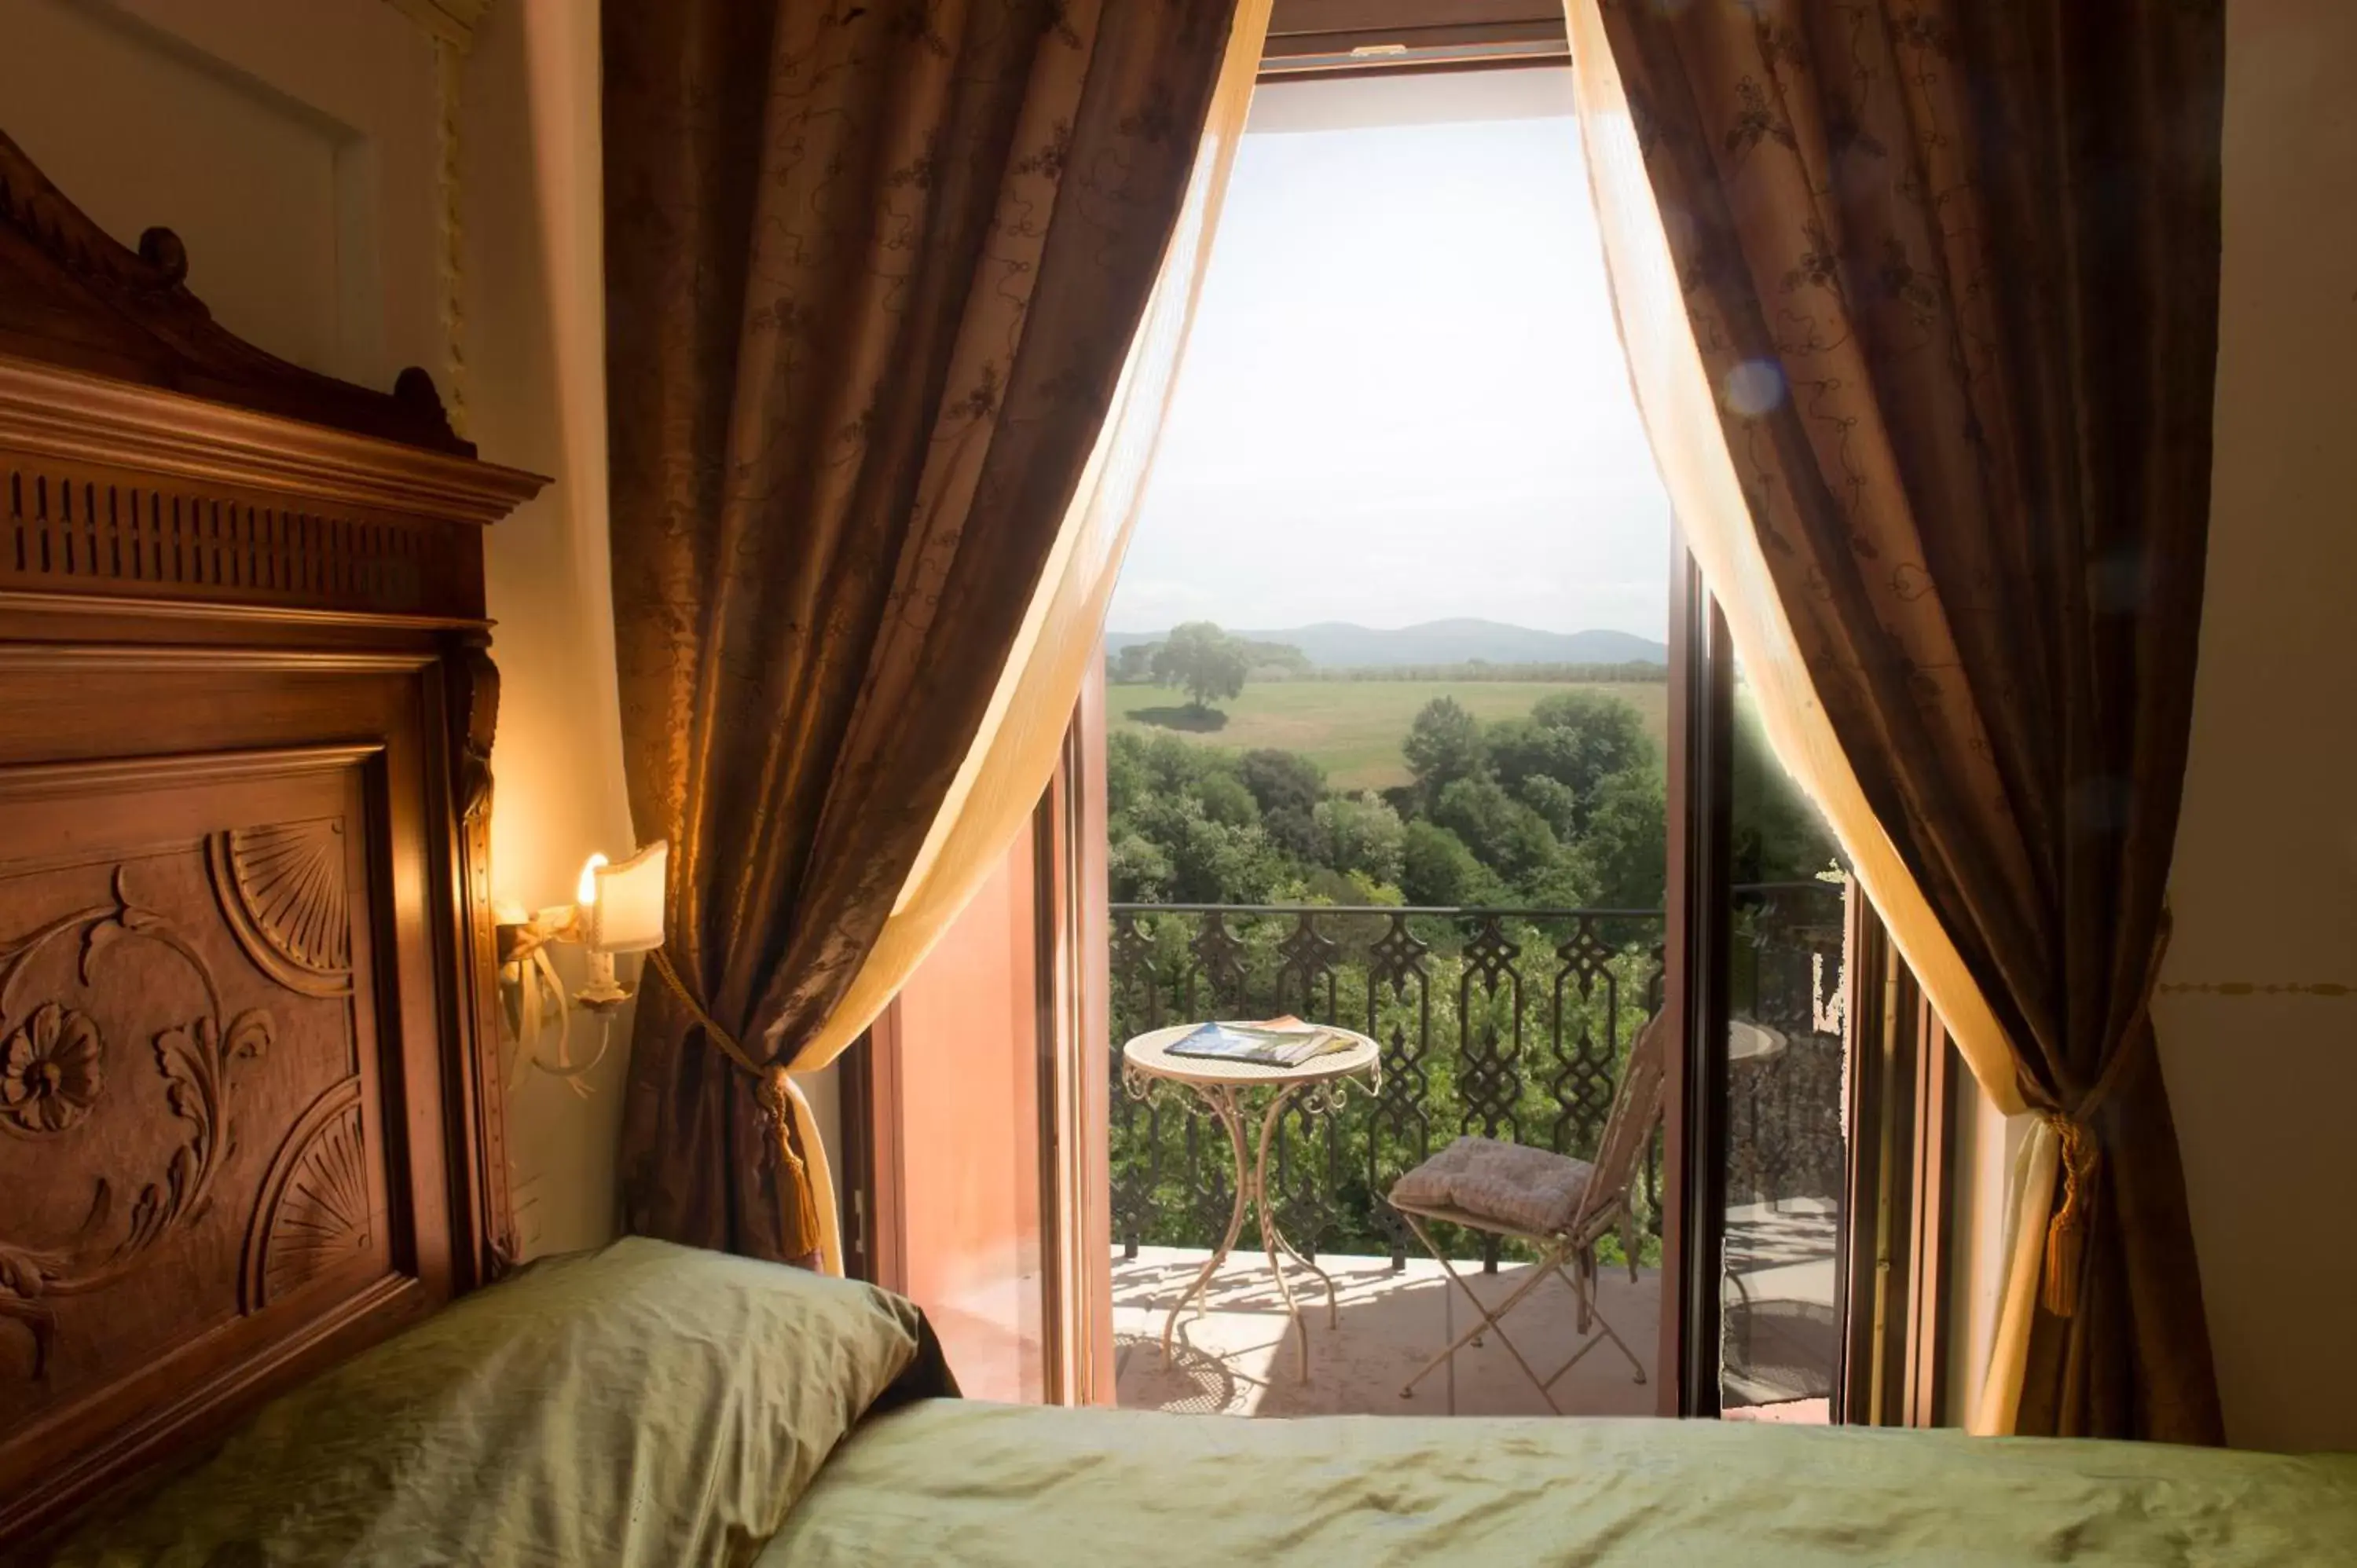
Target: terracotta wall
{"x": 958, "y": 1081}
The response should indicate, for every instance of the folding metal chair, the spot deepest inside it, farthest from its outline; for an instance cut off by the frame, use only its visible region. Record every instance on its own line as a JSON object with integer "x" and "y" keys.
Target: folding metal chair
{"x": 1561, "y": 1206}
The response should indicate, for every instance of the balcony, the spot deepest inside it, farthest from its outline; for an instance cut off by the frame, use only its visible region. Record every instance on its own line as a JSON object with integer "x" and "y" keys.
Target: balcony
{"x": 1513, "y": 1024}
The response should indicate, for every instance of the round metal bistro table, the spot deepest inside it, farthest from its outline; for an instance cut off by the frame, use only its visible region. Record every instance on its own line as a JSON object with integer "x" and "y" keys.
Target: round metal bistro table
{"x": 1318, "y": 1085}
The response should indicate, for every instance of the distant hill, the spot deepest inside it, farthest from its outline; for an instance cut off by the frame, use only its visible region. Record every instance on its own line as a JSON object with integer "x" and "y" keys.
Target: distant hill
{"x": 1340, "y": 645}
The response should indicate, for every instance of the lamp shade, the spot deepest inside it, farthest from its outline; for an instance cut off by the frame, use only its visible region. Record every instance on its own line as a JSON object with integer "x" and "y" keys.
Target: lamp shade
{"x": 627, "y": 913}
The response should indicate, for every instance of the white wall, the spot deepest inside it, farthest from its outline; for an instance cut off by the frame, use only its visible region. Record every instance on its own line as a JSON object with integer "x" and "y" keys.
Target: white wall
{"x": 290, "y": 145}
{"x": 534, "y": 334}
{"x": 2257, "y": 1016}
{"x": 2265, "y": 887}
{"x": 532, "y": 283}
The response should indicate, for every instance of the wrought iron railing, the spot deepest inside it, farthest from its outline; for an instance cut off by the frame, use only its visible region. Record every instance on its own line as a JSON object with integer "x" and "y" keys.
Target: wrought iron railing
{"x": 1509, "y": 1023}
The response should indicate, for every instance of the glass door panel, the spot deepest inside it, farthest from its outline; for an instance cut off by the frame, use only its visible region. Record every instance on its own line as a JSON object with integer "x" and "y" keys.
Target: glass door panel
{"x": 1782, "y": 1073}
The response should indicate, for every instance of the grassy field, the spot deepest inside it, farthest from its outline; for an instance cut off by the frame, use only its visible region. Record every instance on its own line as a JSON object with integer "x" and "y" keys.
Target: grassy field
{"x": 1352, "y": 728}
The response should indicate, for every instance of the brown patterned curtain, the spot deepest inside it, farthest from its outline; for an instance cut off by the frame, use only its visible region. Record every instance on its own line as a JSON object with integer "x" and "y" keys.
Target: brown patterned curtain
{"x": 872, "y": 273}
{"x": 1950, "y": 270}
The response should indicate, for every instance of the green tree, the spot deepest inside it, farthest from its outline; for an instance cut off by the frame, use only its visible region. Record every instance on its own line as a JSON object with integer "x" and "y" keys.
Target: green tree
{"x": 1444, "y": 744}
{"x": 1627, "y": 841}
{"x": 1437, "y": 868}
{"x": 1555, "y": 801}
{"x": 1127, "y": 772}
{"x": 1133, "y": 665}
{"x": 1360, "y": 835}
{"x": 1280, "y": 780}
{"x": 1220, "y": 862}
{"x": 1203, "y": 660}
{"x": 1522, "y": 750}
{"x": 1505, "y": 834}
{"x": 1182, "y": 826}
{"x": 1225, "y": 799}
{"x": 1137, "y": 871}
{"x": 1577, "y": 738}
{"x": 1611, "y": 731}
{"x": 1288, "y": 787}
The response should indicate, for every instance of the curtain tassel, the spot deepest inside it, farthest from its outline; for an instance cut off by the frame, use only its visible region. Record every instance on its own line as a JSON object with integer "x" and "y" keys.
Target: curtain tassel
{"x": 777, "y": 1097}
{"x": 778, "y": 1101}
{"x": 2066, "y": 1234}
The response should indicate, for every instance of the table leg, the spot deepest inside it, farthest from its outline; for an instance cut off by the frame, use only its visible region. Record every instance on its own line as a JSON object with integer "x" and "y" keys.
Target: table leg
{"x": 1251, "y": 1165}
{"x": 1223, "y": 1105}
{"x": 1273, "y": 1241}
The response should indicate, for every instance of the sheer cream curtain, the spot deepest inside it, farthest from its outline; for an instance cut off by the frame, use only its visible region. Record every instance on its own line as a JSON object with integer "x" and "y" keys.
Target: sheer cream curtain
{"x": 1682, "y": 419}
{"x": 1013, "y": 754}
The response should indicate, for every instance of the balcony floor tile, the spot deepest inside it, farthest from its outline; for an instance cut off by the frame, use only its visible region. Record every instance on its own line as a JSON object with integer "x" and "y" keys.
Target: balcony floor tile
{"x": 1239, "y": 1357}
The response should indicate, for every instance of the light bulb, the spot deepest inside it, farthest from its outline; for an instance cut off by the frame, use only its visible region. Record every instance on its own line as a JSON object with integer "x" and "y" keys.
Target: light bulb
{"x": 586, "y": 893}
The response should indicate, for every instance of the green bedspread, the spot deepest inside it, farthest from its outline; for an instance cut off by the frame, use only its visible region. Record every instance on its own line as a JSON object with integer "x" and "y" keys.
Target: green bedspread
{"x": 649, "y": 1406}
{"x": 967, "y": 1483}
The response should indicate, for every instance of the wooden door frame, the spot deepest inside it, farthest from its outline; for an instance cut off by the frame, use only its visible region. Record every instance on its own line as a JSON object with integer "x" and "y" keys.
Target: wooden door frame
{"x": 856, "y": 1176}
{"x": 1901, "y": 1120}
{"x": 1892, "y": 1273}
{"x": 1072, "y": 995}
{"x": 868, "y": 1078}
{"x": 1075, "y": 990}
{"x": 1695, "y": 990}
{"x": 1890, "y": 1268}
{"x": 1310, "y": 38}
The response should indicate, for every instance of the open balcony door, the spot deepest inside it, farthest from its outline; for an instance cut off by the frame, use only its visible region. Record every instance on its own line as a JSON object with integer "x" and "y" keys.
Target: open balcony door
{"x": 1694, "y": 996}
{"x": 983, "y": 1192}
{"x": 983, "y": 1099}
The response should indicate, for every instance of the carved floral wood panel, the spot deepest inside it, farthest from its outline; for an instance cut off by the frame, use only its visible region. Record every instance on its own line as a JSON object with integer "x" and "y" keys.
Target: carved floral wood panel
{"x": 184, "y": 1123}
{"x": 246, "y": 1119}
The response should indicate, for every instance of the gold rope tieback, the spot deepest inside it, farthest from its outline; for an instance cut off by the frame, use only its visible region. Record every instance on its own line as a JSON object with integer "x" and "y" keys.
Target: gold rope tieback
{"x": 2066, "y": 1233}
{"x": 775, "y": 1093}
{"x": 778, "y": 1101}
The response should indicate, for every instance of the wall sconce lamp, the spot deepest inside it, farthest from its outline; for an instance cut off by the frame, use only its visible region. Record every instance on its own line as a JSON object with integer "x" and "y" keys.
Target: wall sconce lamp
{"x": 618, "y": 908}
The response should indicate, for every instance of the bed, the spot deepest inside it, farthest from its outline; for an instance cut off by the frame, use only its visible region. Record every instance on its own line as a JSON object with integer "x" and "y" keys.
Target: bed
{"x": 652, "y": 1405}
{"x": 1001, "y": 1486}
{"x": 259, "y": 1301}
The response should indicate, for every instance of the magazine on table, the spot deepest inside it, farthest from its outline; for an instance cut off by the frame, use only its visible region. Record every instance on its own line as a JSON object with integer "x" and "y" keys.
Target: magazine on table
{"x": 1264, "y": 1041}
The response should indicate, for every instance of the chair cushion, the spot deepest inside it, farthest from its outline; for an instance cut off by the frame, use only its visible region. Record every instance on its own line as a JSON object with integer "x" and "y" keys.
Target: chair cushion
{"x": 1533, "y": 1190}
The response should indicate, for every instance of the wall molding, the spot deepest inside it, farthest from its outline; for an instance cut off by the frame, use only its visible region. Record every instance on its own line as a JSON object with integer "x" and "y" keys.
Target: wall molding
{"x": 449, "y": 80}
{"x": 451, "y": 25}
{"x": 2256, "y": 988}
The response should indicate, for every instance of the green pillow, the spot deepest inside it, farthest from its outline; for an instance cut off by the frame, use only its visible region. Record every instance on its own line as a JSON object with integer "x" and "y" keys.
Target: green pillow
{"x": 643, "y": 1404}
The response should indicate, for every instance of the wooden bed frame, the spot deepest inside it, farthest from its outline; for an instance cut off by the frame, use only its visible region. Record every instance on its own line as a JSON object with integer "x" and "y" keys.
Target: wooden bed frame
{"x": 250, "y": 1113}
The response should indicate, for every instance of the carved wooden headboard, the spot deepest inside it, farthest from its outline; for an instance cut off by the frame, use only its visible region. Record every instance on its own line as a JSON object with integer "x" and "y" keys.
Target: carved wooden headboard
{"x": 247, "y": 1124}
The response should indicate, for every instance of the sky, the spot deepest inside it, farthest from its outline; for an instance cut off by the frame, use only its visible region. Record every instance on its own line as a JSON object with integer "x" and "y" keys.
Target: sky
{"x": 1403, "y": 399}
